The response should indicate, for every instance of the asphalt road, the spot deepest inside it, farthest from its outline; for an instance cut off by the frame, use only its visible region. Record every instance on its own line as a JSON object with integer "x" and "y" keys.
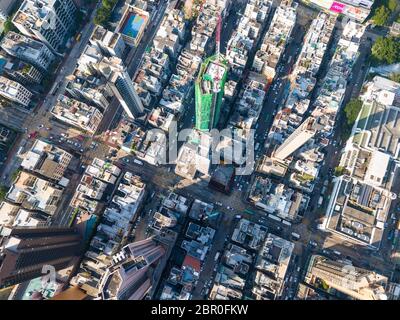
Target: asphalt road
{"x": 165, "y": 180}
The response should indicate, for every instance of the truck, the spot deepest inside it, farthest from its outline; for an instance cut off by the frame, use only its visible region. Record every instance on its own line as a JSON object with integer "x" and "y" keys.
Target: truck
{"x": 295, "y": 236}
{"x": 320, "y": 200}
{"x": 286, "y": 222}
{"x": 217, "y": 256}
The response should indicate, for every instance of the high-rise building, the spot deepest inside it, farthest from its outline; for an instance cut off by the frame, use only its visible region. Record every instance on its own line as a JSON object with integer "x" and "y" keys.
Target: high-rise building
{"x": 209, "y": 88}
{"x": 28, "y": 250}
{"x": 28, "y": 50}
{"x": 15, "y": 92}
{"x": 6, "y": 8}
{"x": 19, "y": 71}
{"x": 49, "y": 21}
{"x": 131, "y": 275}
{"x": 356, "y": 283}
{"x": 122, "y": 86}
{"x": 297, "y": 139}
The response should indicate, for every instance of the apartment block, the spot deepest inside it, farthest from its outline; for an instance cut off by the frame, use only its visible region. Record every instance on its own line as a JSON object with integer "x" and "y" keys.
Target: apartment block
{"x": 34, "y": 193}
{"x": 28, "y": 50}
{"x": 15, "y": 92}
{"x": 48, "y": 21}
{"x": 47, "y": 160}
{"x": 77, "y": 114}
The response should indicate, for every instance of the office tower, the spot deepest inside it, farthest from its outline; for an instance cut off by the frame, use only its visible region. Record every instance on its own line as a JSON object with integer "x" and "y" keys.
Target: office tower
{"x": 19, "y": 71}
{"x": 6, "y": 8}
{"x": 357, "y": 283}
{"x": 210, "y": 88}
{"x": 28, "y": 250}
{"x": 28, "y": 50}
{"x": 297, "y": 139}
{"x": 122, "y": 86}
{"x": 15, "y": 92}
{"x": 49, "y": 21}
{"x": 130, "y": 277}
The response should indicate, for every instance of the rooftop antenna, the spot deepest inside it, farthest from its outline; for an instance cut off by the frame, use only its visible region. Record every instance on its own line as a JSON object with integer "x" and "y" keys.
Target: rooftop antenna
{"x": 218, "y": 36}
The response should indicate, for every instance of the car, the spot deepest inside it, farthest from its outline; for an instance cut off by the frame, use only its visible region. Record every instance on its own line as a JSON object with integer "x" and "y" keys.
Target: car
{"x": 40, "y": 126}
{"x": 218, "y": 204}
{"x": 64, "y": 135}
{"x": 81, "y": 151}
{"x": 126, "y": 160}
{"x": 313, "y": 243}
{"x": 229, "y": 208}
{"x": 238, "y": 216}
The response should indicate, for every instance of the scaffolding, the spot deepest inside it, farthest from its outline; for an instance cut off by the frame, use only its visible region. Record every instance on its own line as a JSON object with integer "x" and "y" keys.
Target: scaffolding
{"x": 209, "y": 90}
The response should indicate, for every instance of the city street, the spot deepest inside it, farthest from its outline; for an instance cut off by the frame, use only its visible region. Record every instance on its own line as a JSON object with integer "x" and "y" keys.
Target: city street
{"x": 160, "y": 180}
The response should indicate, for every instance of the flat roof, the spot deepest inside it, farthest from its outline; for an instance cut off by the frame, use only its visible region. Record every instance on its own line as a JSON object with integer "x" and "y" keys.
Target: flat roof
{"x": 133, "y": 24}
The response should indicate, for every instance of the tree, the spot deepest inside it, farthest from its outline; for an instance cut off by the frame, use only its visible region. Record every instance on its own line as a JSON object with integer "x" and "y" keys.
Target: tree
{"x": 395, "y": 77}
{"x": 3, "y": 192}
{"x": 103, "y": 14}
{"x": 351, "y": 110}
{"x": 9, "y": 26}
{"x": 381, "y": 16}
{"x": 392, "y": 5}
{"x": 339, "y": 171}
{"x": 386, "y": 50}
{"x": 15, "y": 174}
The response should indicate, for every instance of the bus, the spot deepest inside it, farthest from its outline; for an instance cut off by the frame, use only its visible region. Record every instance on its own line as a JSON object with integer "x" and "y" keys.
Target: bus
{"x": 273, "y": 217}
{"x": 249, "y": 211}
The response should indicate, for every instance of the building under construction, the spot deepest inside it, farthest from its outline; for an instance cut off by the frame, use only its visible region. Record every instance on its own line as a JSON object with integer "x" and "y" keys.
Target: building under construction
{"x": 209, "y": 88}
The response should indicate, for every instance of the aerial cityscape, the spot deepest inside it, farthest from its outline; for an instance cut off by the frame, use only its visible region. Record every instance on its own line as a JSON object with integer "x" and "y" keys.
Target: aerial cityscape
{"x": 199, "y": 150}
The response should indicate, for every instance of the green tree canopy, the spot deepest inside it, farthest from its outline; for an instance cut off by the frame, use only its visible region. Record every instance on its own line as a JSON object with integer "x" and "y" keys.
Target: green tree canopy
{"x": 352, "y": 109}
{"x": 392, "y": 5}
{"x": 9, "y": 26}
{"x": 381, "y": 16}
{"x": 386, "y": 50}
{"x": 395, "y": 77}
{"x": 104, "y": 12}
{"x": 3, "y": 192}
